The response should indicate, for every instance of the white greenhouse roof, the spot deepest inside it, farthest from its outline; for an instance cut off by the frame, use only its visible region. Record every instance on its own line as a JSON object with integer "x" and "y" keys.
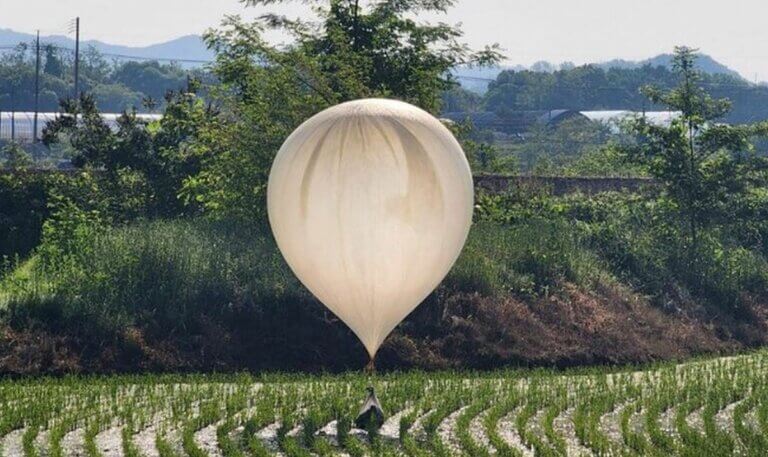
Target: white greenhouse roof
{"x": 19, "y": 125}
{"x": 614, "y": 118}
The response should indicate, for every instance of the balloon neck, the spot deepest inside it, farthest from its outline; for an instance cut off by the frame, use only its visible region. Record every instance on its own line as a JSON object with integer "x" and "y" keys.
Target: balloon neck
{"x": 370, "y": 369}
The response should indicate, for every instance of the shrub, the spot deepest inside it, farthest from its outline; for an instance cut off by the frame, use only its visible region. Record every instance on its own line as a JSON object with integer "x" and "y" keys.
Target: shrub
{"x": 23, "y": 208}
{"x": 527, "y": 258}
{"x": 169, "y": 274}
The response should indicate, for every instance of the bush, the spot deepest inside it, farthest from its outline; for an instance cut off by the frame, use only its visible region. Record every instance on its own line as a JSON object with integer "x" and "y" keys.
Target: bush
{"x": 527, "y": 258}
{"x": 218, "y": 294}
{"x": 23, "y": 208}
{"x": 635, "y": 238}
{"x": 169, "y": 274}
{"x": 645, "y": 247}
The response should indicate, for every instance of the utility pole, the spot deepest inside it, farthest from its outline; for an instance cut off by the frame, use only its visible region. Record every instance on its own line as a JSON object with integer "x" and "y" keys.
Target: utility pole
{"x": 77, "y": 58}
{"x": 13, "y": 112}
{"x": 355, "y": 26}
{"x": 37, "y": 87}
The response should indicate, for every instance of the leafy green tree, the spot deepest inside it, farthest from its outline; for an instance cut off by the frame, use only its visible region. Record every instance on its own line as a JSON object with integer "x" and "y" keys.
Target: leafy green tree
{"x": 115, "y": 98}
{"x": 142, "y": 164}
{"x": 116, "y": 86}
{"x": 15, "y": 157}
{"x": 553, "y": 148}
{"x": 349, "y": 52}
{"x": 591, "y": 87}
{"x": 460, "y": 99}
{"x": 482, "y": 154}
{"x": 707, "y": 168}
{"x": 150, "y": 78}
{"x": 53, "y": 64}
{"x": 604, "y": 161}
{"x": 93, "y": 66}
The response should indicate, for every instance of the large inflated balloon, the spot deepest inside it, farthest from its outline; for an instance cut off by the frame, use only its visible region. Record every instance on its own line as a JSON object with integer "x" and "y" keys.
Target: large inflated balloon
{"x": 370, "y": 203}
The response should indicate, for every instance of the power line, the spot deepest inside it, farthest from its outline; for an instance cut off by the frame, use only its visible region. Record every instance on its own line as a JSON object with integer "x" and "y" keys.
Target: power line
{"x": 746, "y": 85}
{"x": 121, "y": 56}
{"x": 77, "y": 58}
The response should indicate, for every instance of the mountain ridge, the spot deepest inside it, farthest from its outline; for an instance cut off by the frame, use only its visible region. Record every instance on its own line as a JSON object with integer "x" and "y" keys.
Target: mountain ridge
{"x": 192, "y": 49}
{"x": 477, "y": 79}
{"x": 184, "y": 48}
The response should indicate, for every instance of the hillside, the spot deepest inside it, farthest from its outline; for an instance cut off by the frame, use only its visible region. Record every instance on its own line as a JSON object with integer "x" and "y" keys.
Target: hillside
{"x": 705, "y": 63}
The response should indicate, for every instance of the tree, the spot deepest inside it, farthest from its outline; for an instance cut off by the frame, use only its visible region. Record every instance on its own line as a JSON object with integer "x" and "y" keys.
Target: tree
{"x": 115, "y": 98}
{"x": 706, "y": 167}
{"x": 150, "y": 78}
{"x": 349, "y": 52}
{"x": 550, "y": 148}
{"x": 53, "y": 64}
{"x": 16, "y": 158}
{"x": 143, "y": 166}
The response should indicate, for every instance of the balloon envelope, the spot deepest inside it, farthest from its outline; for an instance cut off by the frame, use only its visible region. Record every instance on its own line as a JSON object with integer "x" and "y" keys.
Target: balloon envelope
{"x": 370, "y": 203}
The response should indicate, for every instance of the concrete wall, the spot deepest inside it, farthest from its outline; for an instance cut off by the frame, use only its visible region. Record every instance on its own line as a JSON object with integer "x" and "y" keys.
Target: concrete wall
{"x": 501, "y": 183}
{"x": 561, "y": 185}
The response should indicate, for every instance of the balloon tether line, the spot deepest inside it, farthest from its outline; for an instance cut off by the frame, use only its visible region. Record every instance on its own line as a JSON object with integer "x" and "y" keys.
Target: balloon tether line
{"x": 370, "y": 369}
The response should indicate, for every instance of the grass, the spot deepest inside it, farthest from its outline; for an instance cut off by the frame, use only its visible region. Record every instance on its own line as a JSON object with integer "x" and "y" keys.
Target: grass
{"x": 170, "y": 272}
{"x": 239, "y": 407}
{"x": 541, "y": 281}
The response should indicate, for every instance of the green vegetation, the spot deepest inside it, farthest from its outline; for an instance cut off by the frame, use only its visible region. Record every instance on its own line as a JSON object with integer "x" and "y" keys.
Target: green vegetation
{"x": 117, "y": 86}
{"x": 591, "y": 87}
{"x": 705, "y": 407}
{"x": 155, "y": 254}
{"x": 165, "y": 290}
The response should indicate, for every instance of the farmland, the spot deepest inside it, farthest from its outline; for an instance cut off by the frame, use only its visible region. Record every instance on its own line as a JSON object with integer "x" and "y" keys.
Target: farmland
{"x": 705, "y": 407}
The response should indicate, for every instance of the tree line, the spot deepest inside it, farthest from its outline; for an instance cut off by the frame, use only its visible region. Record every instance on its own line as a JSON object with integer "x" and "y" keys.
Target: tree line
{"x": 592, "y": 87}
{"x": 115, "y": 85}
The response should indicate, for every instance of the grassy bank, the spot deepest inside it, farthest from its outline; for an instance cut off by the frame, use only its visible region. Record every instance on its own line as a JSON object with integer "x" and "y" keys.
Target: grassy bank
{"x": 542, "y": 280}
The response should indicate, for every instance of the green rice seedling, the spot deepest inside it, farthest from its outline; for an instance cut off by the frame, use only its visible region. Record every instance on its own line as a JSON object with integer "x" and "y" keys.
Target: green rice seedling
{"x": 659, "y": 439}
{"x": 635, "y": 442}
{"x": 468, "y": 443}
{"x": 28, "y": 441}
{"x": 750, "y": 439}
{"x": 249, "y": 440}
{"x": 491, "y": 425}
{"x": 227, "y": 445}
{"x": 555, "y": 439}
{"x": 538, "y": 401}
{"x": 126, "y": 437}
{"x": 164, "y": 447}
{"x": 702, "y": 394}
{"x": 91, "y": 449}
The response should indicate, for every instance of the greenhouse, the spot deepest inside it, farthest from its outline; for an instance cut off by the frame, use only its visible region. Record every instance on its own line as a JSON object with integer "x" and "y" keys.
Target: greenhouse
{"x": 19, "y": 126}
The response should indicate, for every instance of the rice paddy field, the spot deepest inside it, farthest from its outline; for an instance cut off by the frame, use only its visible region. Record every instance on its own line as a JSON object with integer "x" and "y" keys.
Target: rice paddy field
{"x": 704, "y": 407}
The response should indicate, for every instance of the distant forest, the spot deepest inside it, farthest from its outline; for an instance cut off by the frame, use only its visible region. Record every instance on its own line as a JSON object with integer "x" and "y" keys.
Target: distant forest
{"x": 116, "y": 85}
{"x": 123, "y": 85}
{"x": 591, "y": 87}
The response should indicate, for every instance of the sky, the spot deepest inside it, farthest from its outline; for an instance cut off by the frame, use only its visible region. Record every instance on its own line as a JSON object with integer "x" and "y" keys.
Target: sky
{"x": 580, "y": 31}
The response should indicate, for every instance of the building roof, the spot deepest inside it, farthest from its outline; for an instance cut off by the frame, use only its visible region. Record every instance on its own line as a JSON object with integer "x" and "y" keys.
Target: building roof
{"x": 522, "y": 121}
{"x": 614, "y": 118}
{"x": 513, "y": 121}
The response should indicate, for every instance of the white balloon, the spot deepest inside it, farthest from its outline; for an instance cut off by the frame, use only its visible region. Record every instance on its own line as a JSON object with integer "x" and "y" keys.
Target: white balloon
{"x": 371, "y": 203}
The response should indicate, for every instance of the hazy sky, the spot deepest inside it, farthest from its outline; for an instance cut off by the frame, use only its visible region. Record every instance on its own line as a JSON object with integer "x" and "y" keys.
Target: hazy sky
{"x": 733, "y": 32}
